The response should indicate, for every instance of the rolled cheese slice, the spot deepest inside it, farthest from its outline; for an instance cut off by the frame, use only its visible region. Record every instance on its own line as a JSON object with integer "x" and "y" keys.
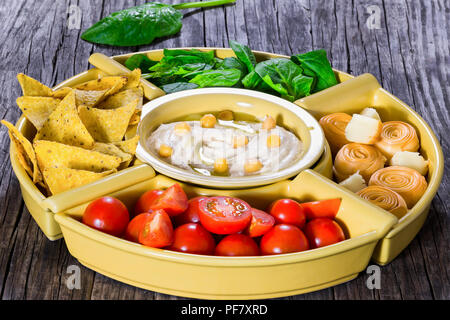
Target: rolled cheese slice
{"x": 357, "y": 157}
{"x": 397, "y": 136}
{"x": 333, "y": 126}
{"x": 411, "y": 160}
{"x": 371, "y": 112}
{"x": 386, "y": 199}
{"x": 407, "y": 182}
{"x": 354, "y": 183}
{"x": 363, "y": 129}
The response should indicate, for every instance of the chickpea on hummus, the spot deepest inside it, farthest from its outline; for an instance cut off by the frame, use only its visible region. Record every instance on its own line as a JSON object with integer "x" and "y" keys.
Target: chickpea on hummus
{"x": 226, "y": 147}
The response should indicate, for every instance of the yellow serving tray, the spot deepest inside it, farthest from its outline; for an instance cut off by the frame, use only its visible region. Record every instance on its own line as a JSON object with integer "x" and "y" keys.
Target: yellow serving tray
{"x": 374, "y": 232}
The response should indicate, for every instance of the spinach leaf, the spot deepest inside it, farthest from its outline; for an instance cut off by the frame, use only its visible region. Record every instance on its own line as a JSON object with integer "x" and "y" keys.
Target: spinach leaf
{"x": 316, "y": 62}
{"x": 140, "y": 61}
{"x": 205, "y": 56}
{"x": 217, "y": 78}
{"x": 142, "y": 24}
{"x": 244, "y": 54}
{"x": 285, "y": 77}
{"x": 178, "y": 86}
{"x": 253, "y": 81}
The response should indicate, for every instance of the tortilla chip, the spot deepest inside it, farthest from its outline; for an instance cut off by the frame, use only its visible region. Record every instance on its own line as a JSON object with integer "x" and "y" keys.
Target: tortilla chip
{"x": 88, "y": 98}
{"x": 122, "y": 98}
{"x": 112, "y": 84}
{"x": 64, "y": 125}
{"x": 62, "y": 179}
{"x": 37, "y": 109}
{"x": 55, "y": 155}
{"x": 134, "y": 79}
{"x": 32, "y": 87}
{"x": 107, "y": 125}
{"x": 25, "y": 152}
{"x": 131, "y": 131}
{"x": 135, "y": 118}
{"x": 128, "y": 146}
{"x": 111, "y": 149}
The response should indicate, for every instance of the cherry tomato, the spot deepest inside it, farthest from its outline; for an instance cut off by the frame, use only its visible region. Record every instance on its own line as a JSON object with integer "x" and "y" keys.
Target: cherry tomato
{"x": 135, "y": 226}
{"x": 283, "y": 238}
{"x": 323, "y": 232}
{"x": 193, "y": 238}
{"x": 157, "y": 231}
{"x": 173, "y": 200}
{"x": 322, "y": 209}
{"x": 224, "y": 215}
{"x": 107, "y": 214}
{"x": 237, "y": 245}
{"x": 287, "y": 211}
{"x": 191, "y": 214}
{"x": 261, "y": 223}
{"x": 146, "y": 200}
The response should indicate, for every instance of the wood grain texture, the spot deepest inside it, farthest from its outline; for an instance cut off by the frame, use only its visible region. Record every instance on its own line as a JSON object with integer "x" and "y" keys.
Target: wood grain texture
{"x": 408, "y": 54}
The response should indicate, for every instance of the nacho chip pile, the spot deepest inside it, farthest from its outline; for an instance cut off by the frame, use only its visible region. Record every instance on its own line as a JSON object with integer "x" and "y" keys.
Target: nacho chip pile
{"x": 83, "y": 133}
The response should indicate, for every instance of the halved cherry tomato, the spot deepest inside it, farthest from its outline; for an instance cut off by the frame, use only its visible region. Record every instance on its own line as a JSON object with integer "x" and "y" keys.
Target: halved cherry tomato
{"x": 107, "y": 214}
{"x": 135, "y": 226}
{"x": 322, "y": 209}
{"x": 191, "y": 214}
{"x": 224, "y": 215}
{"x": 323, "y": 232}
{"x": 237, "y": 245}
{"x": 146, "y": 200}
{"x": 157, "y": 231}
{"x": 288, "y": 211}
{"x": 261, "y": 223}
{"x": 193, "y": 238}
{"x": 173, "y": 200}
{"x": 283, "y": 238}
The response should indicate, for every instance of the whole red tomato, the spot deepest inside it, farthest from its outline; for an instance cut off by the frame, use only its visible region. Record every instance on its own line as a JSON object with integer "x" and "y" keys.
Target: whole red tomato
{"x": 224, "y": 215}
{"x": 288, "y": 211}
{"x": 193, "y": 238}
{"x": 237, "y": 245}
{"x": 283, "y": 238}
{"x": 323, "y": 232}
{"x": 146, "y": 200}
{"x": 191, "y": 214}
{"x": 173, "y": 201}
{"x": 157, "y": 231}
{"x": 107, "y": 214}
{"x": 260, "y": 224}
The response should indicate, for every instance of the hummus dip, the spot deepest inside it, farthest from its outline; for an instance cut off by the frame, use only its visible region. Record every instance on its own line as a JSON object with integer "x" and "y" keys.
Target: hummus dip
{"x": 226, "y": 147}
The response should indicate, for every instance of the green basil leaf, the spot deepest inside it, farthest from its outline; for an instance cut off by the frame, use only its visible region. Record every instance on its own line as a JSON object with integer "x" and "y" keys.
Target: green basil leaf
{"x": 244, "y": 54}
{"x": 316, "y": 62}
{"x": 217, "y": 78}
{"x": 253, "y": 81}
{"x": 135, "y": 26}
{"x": 205, "y": 56}
{"x": 178, "y": 86}
{"x": 140, "y": 61}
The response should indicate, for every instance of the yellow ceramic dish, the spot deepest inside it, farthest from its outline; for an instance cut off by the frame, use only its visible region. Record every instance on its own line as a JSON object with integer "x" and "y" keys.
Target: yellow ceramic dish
{"x": 213, "y": 277}
{"x": 183, "y": 104}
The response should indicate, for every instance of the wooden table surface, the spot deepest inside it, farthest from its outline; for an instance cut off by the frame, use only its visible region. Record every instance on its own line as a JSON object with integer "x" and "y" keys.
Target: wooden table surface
{"x": 406, "y": 49}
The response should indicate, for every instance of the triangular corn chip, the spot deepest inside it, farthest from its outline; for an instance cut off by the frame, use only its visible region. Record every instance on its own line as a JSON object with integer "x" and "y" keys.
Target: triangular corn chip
{"x": 37, "y": 109}
{"x": 135, "y": 118}
{"x": 122, "y": 98}
{"x": 111, "y": 83}
{"x": 128, "y": 146}
{"x": 107, "y": 125}
{"x": 64, "y": 125}
{"x": 25, "y": 152}
{"x": 88, "y": 98}
{"x": 62, "y": 179}
{"x": 33, "y": 88}
{"x": 111, "y": 149}
{"x": 134, "y": 79}
{"x": 53, "y": 154}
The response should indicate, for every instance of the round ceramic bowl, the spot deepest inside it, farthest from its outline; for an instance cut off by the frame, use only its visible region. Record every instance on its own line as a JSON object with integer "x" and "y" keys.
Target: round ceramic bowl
{"x": 183, "y": 105}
